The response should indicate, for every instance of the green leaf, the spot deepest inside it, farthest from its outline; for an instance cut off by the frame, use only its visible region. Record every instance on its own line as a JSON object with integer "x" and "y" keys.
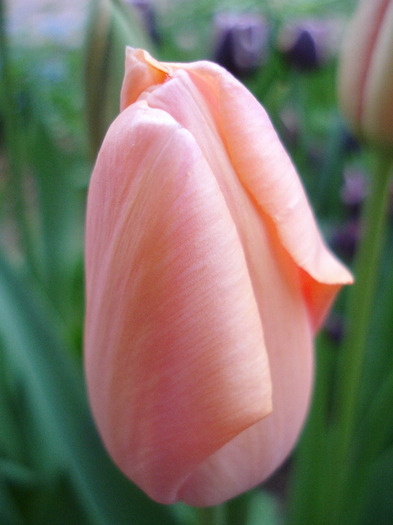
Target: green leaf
{"x": 54, "y": 386}
{"x": 379, "y": 508}
{"x": 112, "y": 25}
{"x": 36, "y": 495}
{"x": 264, "y": 509}
{"x": 255, "y": 507}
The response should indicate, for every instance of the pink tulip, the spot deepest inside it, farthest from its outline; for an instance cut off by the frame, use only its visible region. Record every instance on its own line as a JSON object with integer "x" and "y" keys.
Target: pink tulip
{"x": 206, "y": 279}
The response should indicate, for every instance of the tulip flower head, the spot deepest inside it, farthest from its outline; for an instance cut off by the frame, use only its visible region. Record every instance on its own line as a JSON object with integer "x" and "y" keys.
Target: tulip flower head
{"x": 206, "y": 279}
{"x": 365, "y": 86}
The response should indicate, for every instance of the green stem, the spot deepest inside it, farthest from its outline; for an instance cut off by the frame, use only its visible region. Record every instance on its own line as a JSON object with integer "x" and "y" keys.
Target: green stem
{"x": 376, "y": 436}
{"x": 308, "y": 468}
{"x": 237, "y": 509}
{"x": 358, "y": 316}
{"x": 14, "y": 141}
{"x": 211, "y": 515}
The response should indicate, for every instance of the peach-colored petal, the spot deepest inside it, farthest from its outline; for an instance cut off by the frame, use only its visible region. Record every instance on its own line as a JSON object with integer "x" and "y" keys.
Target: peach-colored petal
{"x": 268, "y": 175}
{"x": 241, "y": 132}
{"x": 175, "y": 357}
{"x": 141, "y": 72}
{"x": 255, "y": 453}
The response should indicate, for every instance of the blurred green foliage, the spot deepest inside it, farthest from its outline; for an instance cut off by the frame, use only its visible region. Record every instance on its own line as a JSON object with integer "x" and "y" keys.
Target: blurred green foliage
{"x": 55, "y": 103}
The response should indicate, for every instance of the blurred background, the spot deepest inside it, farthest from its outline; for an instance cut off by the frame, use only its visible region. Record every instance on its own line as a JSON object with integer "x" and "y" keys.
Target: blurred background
{"x": 61, "y": 67}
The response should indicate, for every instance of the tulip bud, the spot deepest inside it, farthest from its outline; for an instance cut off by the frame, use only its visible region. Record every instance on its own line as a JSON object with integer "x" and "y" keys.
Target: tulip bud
{"x": 241, "y": 41}
{"x": 365, "y": 86}
{"x": 345, "y": 239}
{"x": 354, "y": 190}
{"x": 206, "y": 278}
{"x": 148, "y": 17}
{"x": 307, "y": 44}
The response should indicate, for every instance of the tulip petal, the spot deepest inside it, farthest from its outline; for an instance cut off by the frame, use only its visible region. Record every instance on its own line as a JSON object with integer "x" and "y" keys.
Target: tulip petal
{"x": 176, "y": 361}
{"x": 260, "y": 162}
{"x": 268, "y": 174}
{"x": 255, "y": 453}
{"x": 141, "y": 72}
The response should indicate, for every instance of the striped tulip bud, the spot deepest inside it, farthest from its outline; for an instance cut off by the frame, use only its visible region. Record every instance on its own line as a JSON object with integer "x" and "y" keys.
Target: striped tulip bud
{"x": 365, "y": 78}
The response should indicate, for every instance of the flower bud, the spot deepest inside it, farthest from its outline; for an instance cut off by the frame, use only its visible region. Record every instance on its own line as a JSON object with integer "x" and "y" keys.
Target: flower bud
{"x": 148, "y": 16}
{"x": 365, "y": 86}
{"x": 241, "y": 41}
{"x": 354, "y": 190}
{"x": 307, "y": 44}
{"x": 206, "y": 278}
{"x": 345, "y": 239}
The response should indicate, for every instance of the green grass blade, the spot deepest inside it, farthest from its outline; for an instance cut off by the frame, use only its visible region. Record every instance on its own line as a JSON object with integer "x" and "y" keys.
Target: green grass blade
{"x": 55, "y": 389}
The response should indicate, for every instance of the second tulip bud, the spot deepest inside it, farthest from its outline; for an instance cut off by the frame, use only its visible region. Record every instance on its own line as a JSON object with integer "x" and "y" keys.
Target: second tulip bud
{"x": 365, "y": 79}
